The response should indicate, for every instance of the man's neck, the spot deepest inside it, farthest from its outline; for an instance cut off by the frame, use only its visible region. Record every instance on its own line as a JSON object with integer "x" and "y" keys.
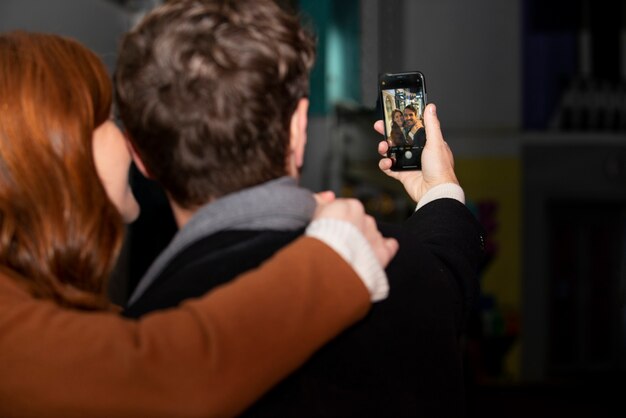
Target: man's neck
{"x": 181, "y": 215}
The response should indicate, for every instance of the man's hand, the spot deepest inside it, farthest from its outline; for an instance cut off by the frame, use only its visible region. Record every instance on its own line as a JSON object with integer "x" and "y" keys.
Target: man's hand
{"x": 352, "y": 211}
{"x": 437, "y": 159}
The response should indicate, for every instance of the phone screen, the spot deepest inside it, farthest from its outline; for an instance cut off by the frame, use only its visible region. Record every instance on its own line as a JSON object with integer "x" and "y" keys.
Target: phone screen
{"x": 403, "y": 98}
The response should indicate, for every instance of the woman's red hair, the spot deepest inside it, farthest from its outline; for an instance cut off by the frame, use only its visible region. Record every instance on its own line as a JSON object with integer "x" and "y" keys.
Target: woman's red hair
{"x": 58, "y": 230}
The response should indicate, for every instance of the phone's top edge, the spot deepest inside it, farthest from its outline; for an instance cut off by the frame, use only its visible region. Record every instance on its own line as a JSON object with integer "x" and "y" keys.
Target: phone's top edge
{"x": 402, "y": 73}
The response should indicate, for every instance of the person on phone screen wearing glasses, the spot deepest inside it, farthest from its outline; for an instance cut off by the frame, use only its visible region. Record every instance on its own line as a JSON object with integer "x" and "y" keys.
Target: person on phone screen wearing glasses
{"x": 214, "y": 96}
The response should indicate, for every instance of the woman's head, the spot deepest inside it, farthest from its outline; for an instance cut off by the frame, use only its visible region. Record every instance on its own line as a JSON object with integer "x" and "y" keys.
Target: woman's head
{"x": 397, "y": 117}
{"x": 58, "y": 229}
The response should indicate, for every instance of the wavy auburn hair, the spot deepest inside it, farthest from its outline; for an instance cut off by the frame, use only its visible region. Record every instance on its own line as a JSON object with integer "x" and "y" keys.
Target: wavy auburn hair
{"x": 58, "y": 230}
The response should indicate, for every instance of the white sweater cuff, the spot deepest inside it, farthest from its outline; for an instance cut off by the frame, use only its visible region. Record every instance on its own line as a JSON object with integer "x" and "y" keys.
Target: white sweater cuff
{"x": 347, "y": 240}
{"x": 445, "y": 190}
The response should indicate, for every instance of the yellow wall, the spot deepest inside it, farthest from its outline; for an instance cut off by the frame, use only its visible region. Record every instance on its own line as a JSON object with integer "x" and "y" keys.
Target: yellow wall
{"x": 498, "y": 179}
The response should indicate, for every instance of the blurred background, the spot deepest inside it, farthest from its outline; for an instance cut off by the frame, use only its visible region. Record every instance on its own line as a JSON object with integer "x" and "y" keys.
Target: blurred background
{"x": 532, "y": 99}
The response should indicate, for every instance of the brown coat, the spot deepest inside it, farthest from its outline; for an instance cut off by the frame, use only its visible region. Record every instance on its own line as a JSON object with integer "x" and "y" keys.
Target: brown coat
{"x": 211, "y": 357}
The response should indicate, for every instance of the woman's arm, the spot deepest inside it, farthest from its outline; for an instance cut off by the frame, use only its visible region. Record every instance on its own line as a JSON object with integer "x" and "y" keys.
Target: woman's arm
{"x": 213, "y": 356}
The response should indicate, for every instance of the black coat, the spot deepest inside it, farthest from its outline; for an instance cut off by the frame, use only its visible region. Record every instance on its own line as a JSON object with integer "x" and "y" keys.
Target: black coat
{"x": 404, "y": 359}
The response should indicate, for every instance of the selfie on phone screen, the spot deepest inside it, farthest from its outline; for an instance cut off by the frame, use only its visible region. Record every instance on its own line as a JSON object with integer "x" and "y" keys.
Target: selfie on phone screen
{"x": 403, "y": 98}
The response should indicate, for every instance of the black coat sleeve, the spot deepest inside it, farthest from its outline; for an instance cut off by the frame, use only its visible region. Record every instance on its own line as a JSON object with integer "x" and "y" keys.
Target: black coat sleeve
{"x": 445, "y": 235}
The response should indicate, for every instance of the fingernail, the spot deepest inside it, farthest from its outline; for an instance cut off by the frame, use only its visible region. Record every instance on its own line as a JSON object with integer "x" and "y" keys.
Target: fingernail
{"x": 433, "y": 109}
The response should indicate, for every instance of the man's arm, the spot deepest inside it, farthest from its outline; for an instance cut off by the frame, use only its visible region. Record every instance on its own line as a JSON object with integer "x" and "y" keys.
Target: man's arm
{"x": 441, "y": 226}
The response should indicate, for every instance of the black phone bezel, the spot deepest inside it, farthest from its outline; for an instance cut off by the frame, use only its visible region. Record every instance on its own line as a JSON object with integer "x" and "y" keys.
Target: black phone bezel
{"x": 409, "y": 79}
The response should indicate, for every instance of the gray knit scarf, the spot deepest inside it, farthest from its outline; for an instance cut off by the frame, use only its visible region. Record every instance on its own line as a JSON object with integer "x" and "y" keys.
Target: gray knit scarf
{"x": 279, "y": 204}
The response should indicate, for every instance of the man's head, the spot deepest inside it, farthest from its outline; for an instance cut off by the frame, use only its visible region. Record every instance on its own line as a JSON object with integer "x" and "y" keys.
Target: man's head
{"x": 212, "y": 93}
{"x": 410, "y": 116}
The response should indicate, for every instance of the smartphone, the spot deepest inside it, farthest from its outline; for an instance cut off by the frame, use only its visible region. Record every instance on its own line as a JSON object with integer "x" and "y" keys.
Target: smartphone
{"x": 403, "y": 98}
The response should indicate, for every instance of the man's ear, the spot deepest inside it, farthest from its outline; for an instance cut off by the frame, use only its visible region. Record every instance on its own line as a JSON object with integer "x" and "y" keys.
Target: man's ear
{"x": 137, "y": 158}
{"x": 297, "y": 134}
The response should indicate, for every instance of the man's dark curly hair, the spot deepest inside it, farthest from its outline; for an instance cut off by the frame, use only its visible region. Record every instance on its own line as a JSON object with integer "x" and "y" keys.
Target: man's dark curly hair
{"x": 206, "y": 90}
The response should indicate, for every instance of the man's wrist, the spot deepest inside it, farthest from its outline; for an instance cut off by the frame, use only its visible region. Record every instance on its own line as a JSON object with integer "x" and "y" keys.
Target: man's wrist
{"x": 442, "y": 191}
